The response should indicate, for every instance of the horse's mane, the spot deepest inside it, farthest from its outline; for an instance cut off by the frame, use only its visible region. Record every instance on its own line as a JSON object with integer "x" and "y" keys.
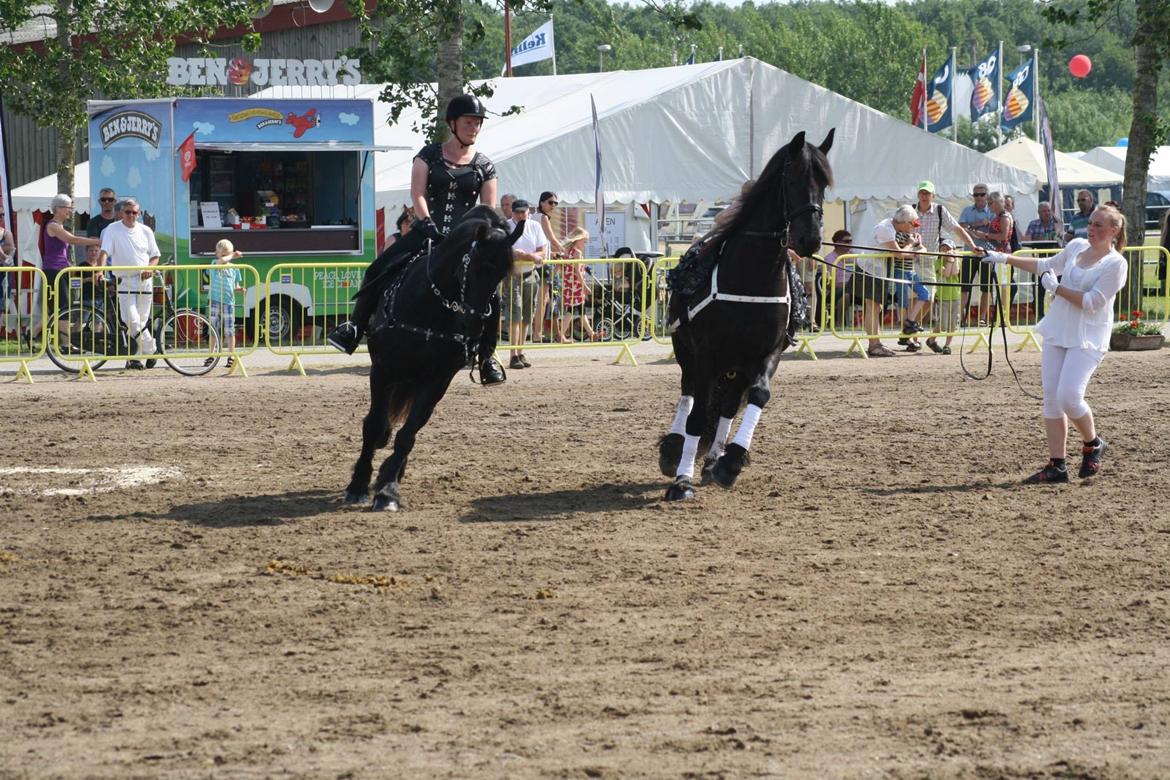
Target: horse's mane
{"x": 812, "y": 161}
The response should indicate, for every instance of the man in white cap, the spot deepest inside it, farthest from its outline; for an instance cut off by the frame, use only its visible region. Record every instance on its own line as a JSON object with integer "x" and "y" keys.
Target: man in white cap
{"x": 934, "y": 219}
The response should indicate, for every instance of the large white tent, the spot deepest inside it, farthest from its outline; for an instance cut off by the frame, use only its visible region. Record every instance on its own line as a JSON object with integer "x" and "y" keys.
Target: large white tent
{"x": 1112, "y": 158}
{"x": 693, "y": 132}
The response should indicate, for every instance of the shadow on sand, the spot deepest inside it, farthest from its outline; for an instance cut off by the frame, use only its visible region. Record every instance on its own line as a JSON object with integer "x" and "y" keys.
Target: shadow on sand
{"x": 557, "y": 504}
{"x": 245, "y": 511}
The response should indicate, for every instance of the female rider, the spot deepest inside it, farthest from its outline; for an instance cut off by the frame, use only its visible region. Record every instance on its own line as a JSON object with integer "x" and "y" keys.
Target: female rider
{"x": 1076, "y": 334}
{"x": 446, "y": 180}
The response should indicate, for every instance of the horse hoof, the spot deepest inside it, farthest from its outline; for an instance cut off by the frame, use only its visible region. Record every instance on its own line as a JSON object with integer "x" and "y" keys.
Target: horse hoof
{"x": 670, "y": 453}
{"x": 680, "y": 490}
{"x": 356, "y": 497}
{"x": 384, "y": 504}
{"x": 708, "y": 467}
{"x": 726, "y": 470}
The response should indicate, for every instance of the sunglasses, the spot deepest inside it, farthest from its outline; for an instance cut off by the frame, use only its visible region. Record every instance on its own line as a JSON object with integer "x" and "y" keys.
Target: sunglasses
{"x": 131, "y": 213}
{"x": 107, "y": 200}
{"x": 979, "y": 194}
{"x": 552, "y": 202}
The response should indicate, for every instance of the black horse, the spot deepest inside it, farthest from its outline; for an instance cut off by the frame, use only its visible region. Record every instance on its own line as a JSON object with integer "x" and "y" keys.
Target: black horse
{"x": 426, "y": 329}
{"x": 728, "y": 340}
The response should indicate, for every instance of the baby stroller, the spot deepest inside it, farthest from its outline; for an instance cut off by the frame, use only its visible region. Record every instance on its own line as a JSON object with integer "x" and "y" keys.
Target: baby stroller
{"x": 617, "y": 304}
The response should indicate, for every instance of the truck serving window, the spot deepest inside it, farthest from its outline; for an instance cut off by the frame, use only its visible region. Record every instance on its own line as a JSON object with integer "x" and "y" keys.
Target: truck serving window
{"x": 276, "y": 201}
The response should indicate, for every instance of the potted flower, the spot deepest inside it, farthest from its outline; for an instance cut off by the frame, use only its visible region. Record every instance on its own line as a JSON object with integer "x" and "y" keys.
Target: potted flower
{"x": 1134, "y": 333}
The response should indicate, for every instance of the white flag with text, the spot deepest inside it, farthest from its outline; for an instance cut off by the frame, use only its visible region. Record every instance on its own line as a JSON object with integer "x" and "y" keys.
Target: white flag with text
{"x": 536, "y": 47}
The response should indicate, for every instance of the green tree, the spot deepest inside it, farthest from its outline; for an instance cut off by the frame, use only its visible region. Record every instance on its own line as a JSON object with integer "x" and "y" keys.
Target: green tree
{"x": 1151, "y": 47}
{"x": 101, "y": 48}
{"x": 414, "y": 43}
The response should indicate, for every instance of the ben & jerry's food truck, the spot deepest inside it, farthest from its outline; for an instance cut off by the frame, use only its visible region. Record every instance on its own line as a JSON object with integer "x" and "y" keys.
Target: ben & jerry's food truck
{"x": 286, "y": 181}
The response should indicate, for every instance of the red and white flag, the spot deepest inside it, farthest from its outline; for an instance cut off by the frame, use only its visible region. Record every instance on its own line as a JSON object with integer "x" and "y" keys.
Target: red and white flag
{"x": 918, "y": 99}
{"x": 187, "y": 156}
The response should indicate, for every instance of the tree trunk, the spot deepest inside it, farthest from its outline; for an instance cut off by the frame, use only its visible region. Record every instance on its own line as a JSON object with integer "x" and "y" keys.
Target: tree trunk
{"x": 66, "y": 137}
{"x": 450, "y": 62}
{"x": 1142, "y": 142}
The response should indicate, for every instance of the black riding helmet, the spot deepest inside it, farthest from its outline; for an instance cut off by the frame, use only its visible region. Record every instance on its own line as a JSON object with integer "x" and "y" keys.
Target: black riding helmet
{"x": 465, "y": 105}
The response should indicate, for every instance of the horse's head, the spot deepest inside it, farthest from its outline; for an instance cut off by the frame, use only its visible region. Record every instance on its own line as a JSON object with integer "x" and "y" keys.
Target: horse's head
{"x": 805, "y": 174}
{"x": 482, "y": 235}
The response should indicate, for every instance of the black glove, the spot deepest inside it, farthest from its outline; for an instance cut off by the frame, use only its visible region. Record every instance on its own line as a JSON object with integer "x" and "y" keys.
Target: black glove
{"x": 429, "y": 229}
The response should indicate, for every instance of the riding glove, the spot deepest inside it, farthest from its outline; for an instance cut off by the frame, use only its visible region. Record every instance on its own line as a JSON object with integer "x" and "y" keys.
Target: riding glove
{"x": 995, "y": 258}
{"x": 428, "y": 228}
{"x": 1049, "y": 282}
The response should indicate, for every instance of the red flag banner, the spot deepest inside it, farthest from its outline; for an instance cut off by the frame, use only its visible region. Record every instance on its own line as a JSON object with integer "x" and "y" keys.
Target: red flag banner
{"x": 918, "y": 99}
{"x": 187, "y": 156}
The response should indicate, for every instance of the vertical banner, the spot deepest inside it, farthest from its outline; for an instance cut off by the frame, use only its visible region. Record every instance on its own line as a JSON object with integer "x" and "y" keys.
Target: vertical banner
{"x": 5, "y": 192}
{"x": 599, "y": 182}
{"x": 985, "y": 78}
{"x": 1049, "y": 158}
{"x": 1017, "y": 105}
{"x": 940, "y": 109}
{"x": 918, "y": 96}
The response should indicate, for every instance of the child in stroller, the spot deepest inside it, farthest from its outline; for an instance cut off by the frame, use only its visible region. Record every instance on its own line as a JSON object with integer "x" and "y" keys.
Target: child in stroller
{"x": 617, "y": 305}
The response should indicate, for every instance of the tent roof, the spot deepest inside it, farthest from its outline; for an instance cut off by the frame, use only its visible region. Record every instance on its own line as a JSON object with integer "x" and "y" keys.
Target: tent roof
{"x": 1028, "y": 155}
{"x": 688, "y": 132}
{"x": 1112, "y": 158}
{"x": 35, "y": 195}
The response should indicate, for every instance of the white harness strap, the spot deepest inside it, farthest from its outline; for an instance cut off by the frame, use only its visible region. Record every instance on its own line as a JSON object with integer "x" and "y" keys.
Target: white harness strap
{"x": 715, "y": 295}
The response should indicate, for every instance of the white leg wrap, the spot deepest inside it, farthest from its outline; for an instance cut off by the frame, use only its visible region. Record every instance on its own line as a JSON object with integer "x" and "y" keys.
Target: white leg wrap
{"x": 681, "y": 412}
{"x": 686, "y": 464}
{"x": 720, "y": 439}
{"x": 747, "y": 426}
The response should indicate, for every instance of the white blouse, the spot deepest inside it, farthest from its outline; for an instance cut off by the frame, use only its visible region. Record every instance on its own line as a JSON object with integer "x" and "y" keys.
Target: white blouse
{"x": 1087, "y": 326}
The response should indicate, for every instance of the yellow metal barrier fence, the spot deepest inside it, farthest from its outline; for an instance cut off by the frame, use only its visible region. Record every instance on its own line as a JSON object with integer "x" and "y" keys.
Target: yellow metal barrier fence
{"x": 184, "y": 315}
{"x": 303, "y": 302}
{"x": 576, "y": 304}
{"x": 858, "y": 307}
{"x": 24, "y": 299}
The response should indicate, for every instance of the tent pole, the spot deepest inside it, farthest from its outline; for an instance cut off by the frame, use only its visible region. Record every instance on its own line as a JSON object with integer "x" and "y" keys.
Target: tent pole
{"x": 751, "y": 121}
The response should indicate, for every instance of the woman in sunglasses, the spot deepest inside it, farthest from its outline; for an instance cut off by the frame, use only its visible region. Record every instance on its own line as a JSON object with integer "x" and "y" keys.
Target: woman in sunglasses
{"x": 545, "y": 274}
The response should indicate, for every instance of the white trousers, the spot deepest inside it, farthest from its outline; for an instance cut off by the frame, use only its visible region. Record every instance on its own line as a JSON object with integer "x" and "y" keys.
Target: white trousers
{"x": 135, "y": 311}
{"x": 1065, "y": 374}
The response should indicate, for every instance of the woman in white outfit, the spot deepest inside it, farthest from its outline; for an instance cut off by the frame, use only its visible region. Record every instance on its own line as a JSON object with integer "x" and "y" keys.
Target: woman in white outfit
{"x": 1076, "y": 334}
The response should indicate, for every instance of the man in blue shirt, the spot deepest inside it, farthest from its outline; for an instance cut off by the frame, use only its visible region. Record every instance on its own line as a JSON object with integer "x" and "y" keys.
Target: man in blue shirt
{"x": 976, "y": 220}
{"x": 1078, "y": 225}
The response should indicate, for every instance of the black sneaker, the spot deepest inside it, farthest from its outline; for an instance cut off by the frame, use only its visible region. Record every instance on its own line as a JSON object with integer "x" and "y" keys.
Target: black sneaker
{"x": 152, "y": 363}
{"x": 345, "y": 337}
{"x": 911, "y": 327}
{"x": 934, "y": 347}
{"x": 134, "y": 365}
{"x": 516, "y": 362}
{"x": 491, "y": 373}
{"x": 1091, "y": 458}
{"x": 1048, "y": 475}
{"x": 903, "y": 342}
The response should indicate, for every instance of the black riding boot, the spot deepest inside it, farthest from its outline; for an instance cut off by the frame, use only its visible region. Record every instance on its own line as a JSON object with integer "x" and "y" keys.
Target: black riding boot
{"x": 490, "y": 370}
{"x": 348, "y": 334}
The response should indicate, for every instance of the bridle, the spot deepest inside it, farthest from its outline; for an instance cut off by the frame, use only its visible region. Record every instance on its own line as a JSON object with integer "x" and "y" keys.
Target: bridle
{"x": 789, "y": 214}
{"x": 459, "y": 306}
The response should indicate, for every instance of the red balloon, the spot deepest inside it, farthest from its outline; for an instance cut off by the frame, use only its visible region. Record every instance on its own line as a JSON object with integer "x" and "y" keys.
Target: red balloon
{"x": 1080, "y": 65}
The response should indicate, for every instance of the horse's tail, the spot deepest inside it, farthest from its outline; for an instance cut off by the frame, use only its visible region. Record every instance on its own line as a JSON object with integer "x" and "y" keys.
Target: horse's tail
{"x": 401, "y": 399}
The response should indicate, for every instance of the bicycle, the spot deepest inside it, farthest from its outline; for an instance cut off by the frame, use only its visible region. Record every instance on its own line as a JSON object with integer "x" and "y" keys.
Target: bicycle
{"x": 91, "y": 331}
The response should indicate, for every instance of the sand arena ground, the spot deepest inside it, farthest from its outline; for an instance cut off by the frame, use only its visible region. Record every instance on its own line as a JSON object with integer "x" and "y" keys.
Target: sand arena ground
{"x": 182, "y": 593}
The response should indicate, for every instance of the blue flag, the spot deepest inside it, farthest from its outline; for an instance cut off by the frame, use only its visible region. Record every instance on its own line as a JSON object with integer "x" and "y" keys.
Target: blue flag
{"x": 940, "y": 111}
{"x": 1017, "y": 105}
{"x": 985, "y": 78}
